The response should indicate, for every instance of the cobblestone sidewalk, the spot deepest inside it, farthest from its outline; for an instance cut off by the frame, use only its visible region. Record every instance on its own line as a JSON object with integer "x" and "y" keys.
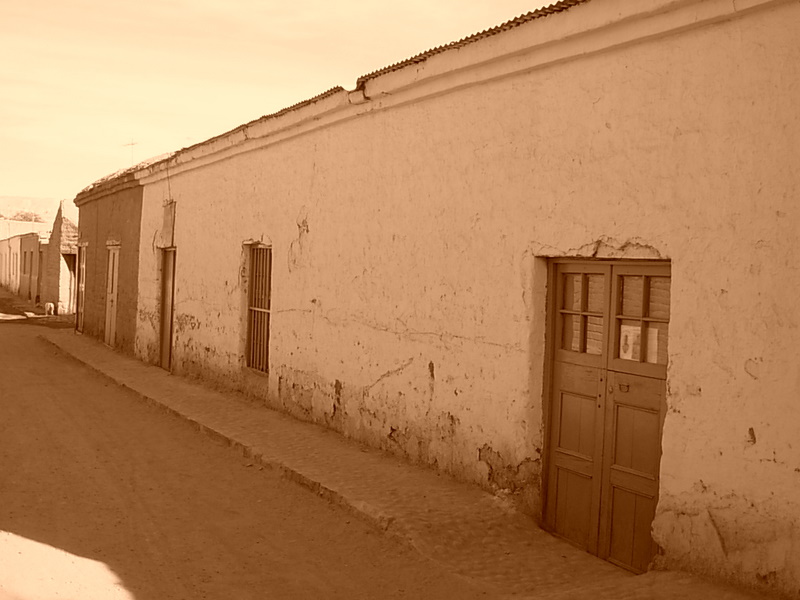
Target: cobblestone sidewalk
{"x": 458, "y": 525}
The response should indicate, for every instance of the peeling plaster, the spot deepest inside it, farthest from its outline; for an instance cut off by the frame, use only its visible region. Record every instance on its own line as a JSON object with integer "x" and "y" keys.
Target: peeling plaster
{"x": 506, "y": 477}
{"x": 603, "y": 247}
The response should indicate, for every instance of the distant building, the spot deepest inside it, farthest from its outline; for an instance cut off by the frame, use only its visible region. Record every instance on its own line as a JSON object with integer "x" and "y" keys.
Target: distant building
{"x": 10, "y": 228}
{"x": 12, "y": 258}
{"x": 9, "y": 263}
{"x": 59, "y": 265}
{"x": 41, "y": 265}
{"x": 30, "y": 257}
{"x": 558, "y": 258}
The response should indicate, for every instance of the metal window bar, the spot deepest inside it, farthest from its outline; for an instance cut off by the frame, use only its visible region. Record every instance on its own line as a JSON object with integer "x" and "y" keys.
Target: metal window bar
{"x": 259, "y": 308}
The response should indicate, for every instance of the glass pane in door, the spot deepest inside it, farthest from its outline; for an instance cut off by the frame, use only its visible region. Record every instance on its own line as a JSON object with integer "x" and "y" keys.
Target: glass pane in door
{"x": 632, "y": 288}
{"x": 572, "y": 292}
{"x": 571, "y": 333}
{"x": 630, "y": 333}
{"x": 595, "y": 293}
{"x": 594, "y": 335}
{"x": 659, "y": 298}
{"x": 657, "y": 337}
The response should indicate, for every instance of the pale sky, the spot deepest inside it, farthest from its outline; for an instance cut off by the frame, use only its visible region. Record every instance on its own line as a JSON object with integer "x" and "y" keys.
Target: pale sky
{"x": 79, "y": 79}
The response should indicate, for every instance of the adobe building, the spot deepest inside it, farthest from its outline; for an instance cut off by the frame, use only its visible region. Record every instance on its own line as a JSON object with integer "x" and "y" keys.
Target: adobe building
{"x": 59, "y": 265}
{"x": 558, "y": 258}
{"x": 107, "y": 262}
{"x": 10, "y": 263}
{"x": 29, "y": 265}
{"x": 16, "y": 262}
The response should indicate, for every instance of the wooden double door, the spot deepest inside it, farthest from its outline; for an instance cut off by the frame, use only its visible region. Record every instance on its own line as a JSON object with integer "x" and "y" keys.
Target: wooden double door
{"x": 607, "y": 406}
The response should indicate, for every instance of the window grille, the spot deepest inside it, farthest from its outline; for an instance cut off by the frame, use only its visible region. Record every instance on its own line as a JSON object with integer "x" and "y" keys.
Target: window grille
{"x": 259, "y": 308}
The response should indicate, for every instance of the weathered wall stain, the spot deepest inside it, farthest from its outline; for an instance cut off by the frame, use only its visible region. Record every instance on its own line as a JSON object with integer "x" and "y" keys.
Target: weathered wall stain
{"x": 411, "y": 274}
{"x": 298, "y": 248}
{"x": 752, "y": 367}
{"x": 505, "y": 477}
{"x": 734, "y": 533}
{"x": 186, "y": 322}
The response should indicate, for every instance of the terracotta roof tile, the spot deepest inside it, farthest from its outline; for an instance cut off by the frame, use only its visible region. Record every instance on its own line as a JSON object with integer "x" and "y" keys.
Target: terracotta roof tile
{"x": 557, "y": 7}
{"x": 330, "y": 92}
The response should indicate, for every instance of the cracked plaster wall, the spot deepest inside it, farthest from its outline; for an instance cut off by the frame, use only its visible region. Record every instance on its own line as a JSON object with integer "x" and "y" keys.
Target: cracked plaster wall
{"x": 408, "y": 299}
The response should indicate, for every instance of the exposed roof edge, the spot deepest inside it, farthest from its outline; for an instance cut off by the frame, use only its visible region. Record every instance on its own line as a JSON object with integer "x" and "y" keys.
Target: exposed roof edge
{"x": 111, "y": 183}
{"x": 289, "y": 118}
{"x": 592, "y": 30}
{"x": 557, "y": 7}
{"x": 116, "y": 182}
{"x": 283, "y": 111}
{"x": 153, "y": 163}
{"x": 115, "y": 177}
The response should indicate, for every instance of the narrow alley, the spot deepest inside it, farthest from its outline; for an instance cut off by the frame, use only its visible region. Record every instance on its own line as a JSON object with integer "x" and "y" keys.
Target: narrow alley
{"x": 93, "y": 463}
{"x": 86, "y": 467}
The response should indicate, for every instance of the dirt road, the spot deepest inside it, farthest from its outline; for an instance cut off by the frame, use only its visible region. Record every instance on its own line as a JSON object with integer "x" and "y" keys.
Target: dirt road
{"x": 87, "y": 468}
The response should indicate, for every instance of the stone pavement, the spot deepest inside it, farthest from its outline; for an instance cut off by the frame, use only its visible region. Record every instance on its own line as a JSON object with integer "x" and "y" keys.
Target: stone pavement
{"x": 468, "y": 530}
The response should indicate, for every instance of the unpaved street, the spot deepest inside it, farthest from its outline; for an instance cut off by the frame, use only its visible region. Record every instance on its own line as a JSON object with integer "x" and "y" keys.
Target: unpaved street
{"x": 88, "y": 468}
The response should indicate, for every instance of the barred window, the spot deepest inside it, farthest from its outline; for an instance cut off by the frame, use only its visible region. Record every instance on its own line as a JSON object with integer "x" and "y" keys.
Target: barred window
{"x": 259, "y": 308}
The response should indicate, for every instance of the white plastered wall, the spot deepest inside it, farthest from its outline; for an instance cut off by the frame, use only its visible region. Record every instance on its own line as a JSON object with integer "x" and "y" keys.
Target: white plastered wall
{"x": 408, "y": 300}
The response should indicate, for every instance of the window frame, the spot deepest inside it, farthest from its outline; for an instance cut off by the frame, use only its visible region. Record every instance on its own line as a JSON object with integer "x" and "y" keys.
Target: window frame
{"x": 612, "y": 316}
{"x": 259, "y": 306}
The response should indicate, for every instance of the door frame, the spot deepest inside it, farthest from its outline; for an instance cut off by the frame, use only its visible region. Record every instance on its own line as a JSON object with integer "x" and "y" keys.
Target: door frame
{"x": 552, "y": 339}
{"x": 167, "y": 305}
{"x": 80, "y": 288}
{"x": 71, "y": 260}
{"x": 112, "y": 292}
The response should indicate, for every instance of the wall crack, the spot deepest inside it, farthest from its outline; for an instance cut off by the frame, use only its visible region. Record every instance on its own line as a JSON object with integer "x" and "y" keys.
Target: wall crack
{"x": 390, "y": 373}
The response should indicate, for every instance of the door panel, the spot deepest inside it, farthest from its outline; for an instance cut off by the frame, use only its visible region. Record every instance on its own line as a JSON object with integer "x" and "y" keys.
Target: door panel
{"x": 574, "y": 507}
{"x": 631, "y": 544}
{"x": 577, "y": 388}
{"x": 631, "y": 458}
{"x": 575, "y": 453}
{"x": 607, "y": 406}
{"x": 576, "y": 429}
{"x": 634, "y": 430}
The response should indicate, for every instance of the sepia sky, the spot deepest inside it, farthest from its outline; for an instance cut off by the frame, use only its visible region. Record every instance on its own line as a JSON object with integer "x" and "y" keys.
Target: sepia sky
{"x": 80, "y": 79}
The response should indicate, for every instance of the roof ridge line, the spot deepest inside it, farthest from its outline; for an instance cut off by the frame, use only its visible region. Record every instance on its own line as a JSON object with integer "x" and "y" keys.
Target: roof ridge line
{"x": 557, "y": 7}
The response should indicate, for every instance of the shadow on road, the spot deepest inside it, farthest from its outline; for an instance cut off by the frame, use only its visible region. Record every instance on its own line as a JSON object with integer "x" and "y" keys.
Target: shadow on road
{"x": 51, "y": 322}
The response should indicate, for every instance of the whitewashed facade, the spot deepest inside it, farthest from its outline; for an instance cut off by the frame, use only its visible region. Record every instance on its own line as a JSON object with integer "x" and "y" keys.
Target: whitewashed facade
{"x": 411, "y": 221}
